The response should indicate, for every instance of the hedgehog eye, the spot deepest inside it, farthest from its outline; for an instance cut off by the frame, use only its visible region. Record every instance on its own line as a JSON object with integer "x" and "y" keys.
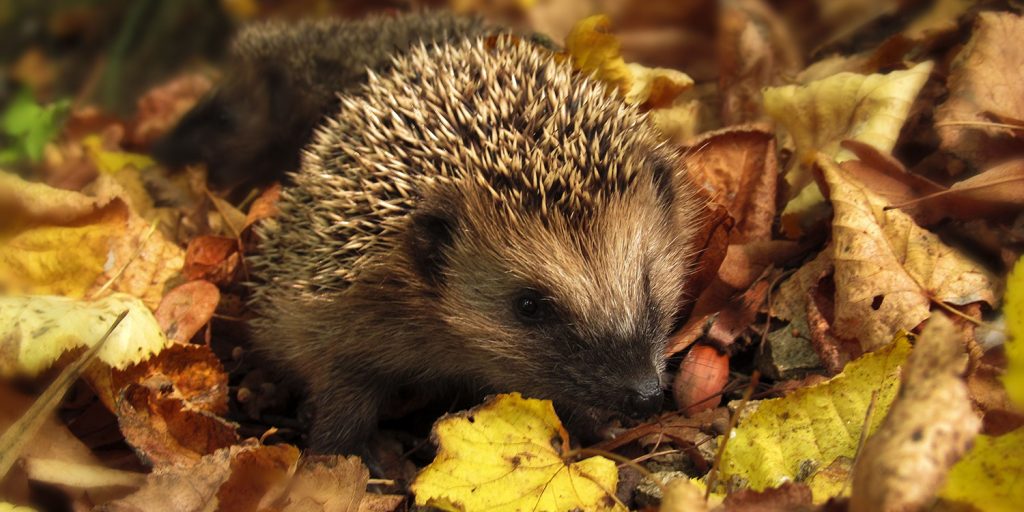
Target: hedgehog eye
{"x": 529, "y": 306}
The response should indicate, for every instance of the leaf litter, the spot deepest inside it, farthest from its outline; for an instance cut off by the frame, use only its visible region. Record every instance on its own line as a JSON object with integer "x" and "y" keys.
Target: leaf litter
{"x": 853, "y": 156}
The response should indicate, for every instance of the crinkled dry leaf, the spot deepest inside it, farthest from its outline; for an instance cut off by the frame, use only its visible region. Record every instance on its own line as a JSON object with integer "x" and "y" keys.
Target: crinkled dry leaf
{"x": 194, "y": 371}
{"x": 822, "y": 114}
{"x": 508, "y": 455}
{"x": 213, "y": 258}
{"x": 888, "y": 269}
{"x": 72, "y": 245}
{"x": 755, "y": 49}
{"x": 253, "y": 474}
{"x": 738, "y": 169}
{"x": 36, "y": 330}
{"x": 812, "y": 426}
{"x": 986, "y": 84}
{"x": 929, "y": 427}
{"x": 186, "y": 309}
{"x": 164, "y": 429}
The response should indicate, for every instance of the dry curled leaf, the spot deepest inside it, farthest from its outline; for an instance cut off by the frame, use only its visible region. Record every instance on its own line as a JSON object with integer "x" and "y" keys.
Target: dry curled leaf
{"x": 888, "y": 269}
{"x": 986, "y": 84}
{"x": 737, "y": 168}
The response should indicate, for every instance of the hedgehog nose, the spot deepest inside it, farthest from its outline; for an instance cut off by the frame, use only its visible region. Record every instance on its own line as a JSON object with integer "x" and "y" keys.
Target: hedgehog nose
{"x": 645, "y": 399}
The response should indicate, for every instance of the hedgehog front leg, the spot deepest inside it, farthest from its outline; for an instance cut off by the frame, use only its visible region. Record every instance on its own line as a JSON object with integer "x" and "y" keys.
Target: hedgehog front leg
{"x": 346, "y": 412}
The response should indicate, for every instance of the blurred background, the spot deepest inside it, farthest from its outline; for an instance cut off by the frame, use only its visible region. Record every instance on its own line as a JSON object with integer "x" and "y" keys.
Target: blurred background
{"x": 107, "y": 52}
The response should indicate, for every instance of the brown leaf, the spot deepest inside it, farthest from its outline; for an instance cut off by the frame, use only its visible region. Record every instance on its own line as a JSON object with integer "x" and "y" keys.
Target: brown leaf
{"x": 253, "y": 474}
{"x": 741, "y": 267}
{"x": 737, "y": 167}
{"x": 710, "y": 242}
{"x": 883, "y": 174}
{"x": 755, "y": 49}
{"x": 160, "y": 108}
{"x": 186, "y": 309}
{"x": 264, "y": 207}
{"x": 887, "y": 269}
{"x": 986, "y": 84}
{"x": 928, "y": 428}
{"x": 997, "y": 192}
{"x": 213, "y": 258}
{"x": 194, "y": 371}
{"x": 164, "y": 430}
{"x": 786, "y": 497}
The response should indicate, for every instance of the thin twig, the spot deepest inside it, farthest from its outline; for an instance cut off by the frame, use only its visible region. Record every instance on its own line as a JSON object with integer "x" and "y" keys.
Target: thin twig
{"x": 713, "y": 474}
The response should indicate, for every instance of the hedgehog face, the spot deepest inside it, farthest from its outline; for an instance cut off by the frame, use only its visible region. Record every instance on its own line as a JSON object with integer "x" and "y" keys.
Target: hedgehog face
{"x": 574, "y": 308}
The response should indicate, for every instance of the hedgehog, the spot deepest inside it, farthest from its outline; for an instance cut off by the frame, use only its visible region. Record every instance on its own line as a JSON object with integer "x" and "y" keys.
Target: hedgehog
{"x": 282, "y": 79}
{"x": 480, "y": 215}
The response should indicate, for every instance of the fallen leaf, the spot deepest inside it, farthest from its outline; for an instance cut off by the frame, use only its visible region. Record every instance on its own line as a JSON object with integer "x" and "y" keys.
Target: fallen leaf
{"x": 812, "y": 426}
{"x": 508, "y": 455}
{"x": 929, "y": 427}
{"x": 160, "y": 108}
{"x": 988, "y": 477}
{"x": 888, "y": 269}
{"x": 684, "y": 495}
{"x": 165, "y": 430}
{"x": 36, "y": 330}
{"x": 755, "y": 49}
{"x": 263, "y": 207}
{"x": 985, "y": 87}
{"x": 186, "y": 309}
{"x": 65, "y": 243}
{"x": 193, "y": 371}
{"x": 996, "y": 193}
{"x": 788, "y": 496}
{"x": 593, "y": 49}
{"x": 1014, "y": 311}
{"x": 253, "y": 474}
{"x": 823, "y": 113}
{"x": 884, "y": 175}
{"x": 212, "y": 258}
{"x": 737, "y": 168}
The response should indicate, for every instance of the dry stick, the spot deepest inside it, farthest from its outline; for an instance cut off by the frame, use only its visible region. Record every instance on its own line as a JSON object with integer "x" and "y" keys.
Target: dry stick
{"x": 868, "y": 415}
{"x": 985, "y": 124}
{"x": 14, "y": 439}
{"x": 713, "y": 474}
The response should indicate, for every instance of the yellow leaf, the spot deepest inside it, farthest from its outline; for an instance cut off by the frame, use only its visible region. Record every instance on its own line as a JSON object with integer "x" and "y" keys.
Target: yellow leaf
{"x": 112, "y": 162}
{"x": 814, "y": 426}
{"x": 594, "y": 49}
{"x": 55, "y": 242}
{"x": 507, "y": 455}
{"x": 888, "y": 269}
{"x": 1013, "y": 308}
{"x": 989, "y": 476}
{"x": 822, "y": 114}
{"x": 36, "y": 330}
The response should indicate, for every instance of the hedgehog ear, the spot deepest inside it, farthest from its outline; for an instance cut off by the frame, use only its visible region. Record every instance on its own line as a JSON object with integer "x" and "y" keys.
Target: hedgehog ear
{"x": 430, "y": 233}
{"x": 666, "y": 180}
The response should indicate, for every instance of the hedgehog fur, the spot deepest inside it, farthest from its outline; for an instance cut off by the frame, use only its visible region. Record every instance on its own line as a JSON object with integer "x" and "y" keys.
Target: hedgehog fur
{"x": 480, "y": 214}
